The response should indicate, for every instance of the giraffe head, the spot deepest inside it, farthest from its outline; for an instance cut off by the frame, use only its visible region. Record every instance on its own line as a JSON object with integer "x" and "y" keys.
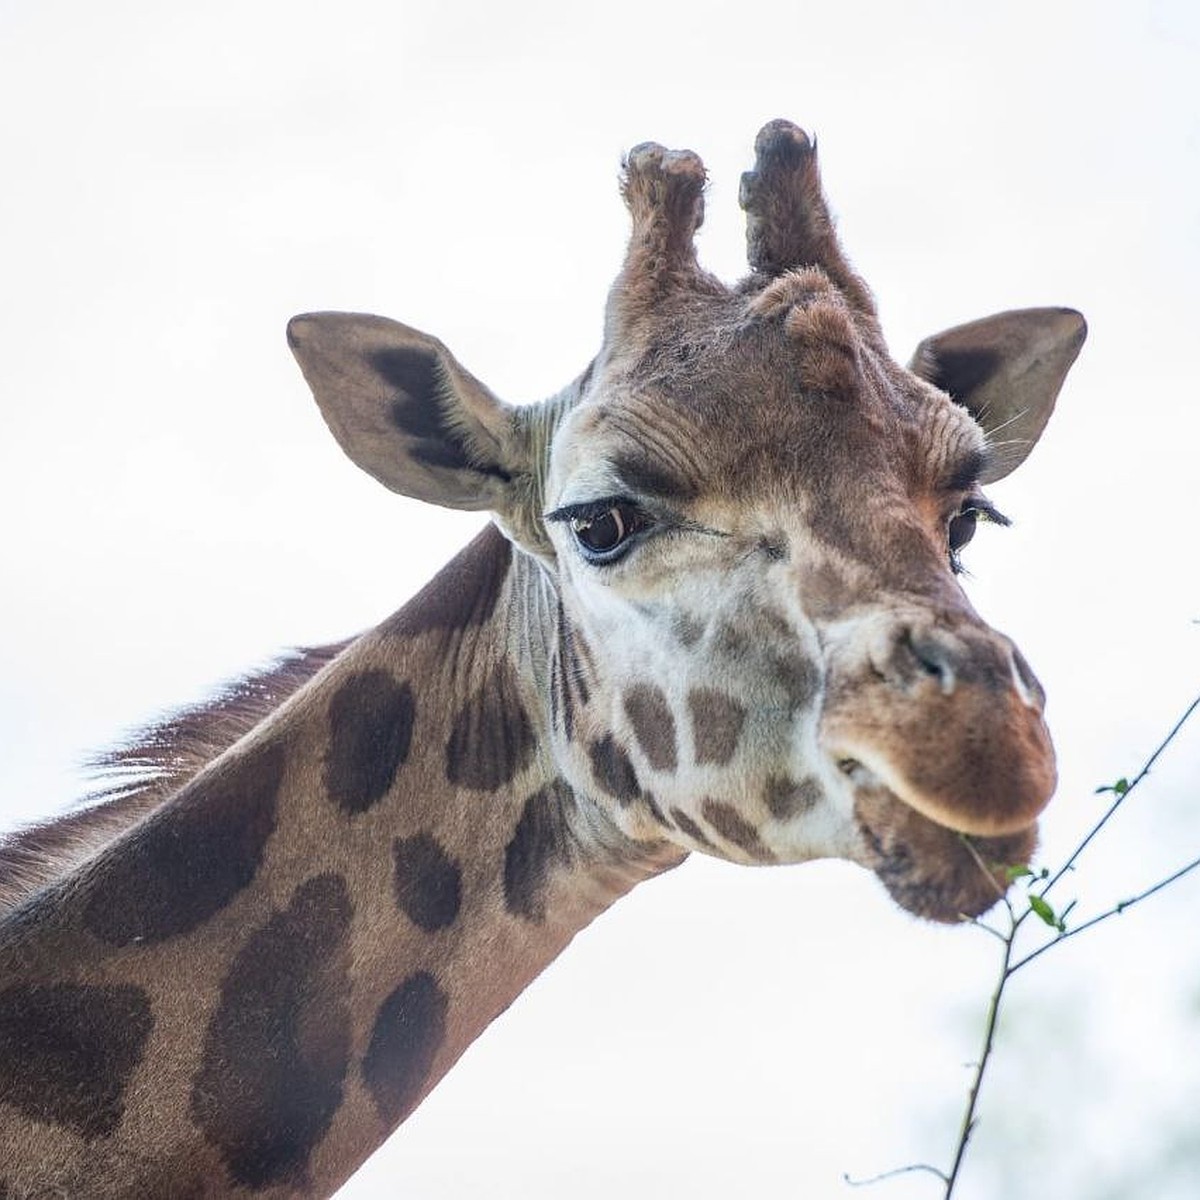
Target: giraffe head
{"x": 749, "y": 516}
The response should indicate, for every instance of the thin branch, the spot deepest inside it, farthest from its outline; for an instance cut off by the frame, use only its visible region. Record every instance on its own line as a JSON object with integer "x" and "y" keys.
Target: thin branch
{"x": 909, "y": 1170}
{"x": 1116, "y": 910}
{"x": 1008, "y": 968}
{"x": 984, "y": 927}
{"x": 1121, "y": 798}
{"x": 989, "y": 1037}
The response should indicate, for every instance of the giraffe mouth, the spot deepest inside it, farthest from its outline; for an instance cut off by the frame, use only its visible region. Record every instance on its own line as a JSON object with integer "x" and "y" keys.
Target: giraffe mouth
{"x": 931, "y": 869}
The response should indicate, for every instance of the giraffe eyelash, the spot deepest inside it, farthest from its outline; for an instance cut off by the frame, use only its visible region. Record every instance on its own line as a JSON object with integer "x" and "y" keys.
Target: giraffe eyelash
{"x": 987, "y": 510}
{"x": 589, "y": 510}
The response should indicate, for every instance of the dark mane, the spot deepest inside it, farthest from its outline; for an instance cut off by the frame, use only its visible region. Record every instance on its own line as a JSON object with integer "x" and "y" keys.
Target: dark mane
{"x": 136, "y": 776}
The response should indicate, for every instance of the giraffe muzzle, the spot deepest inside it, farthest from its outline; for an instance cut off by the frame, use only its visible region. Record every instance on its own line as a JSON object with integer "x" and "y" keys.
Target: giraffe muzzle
{"x": 948, "y": 718}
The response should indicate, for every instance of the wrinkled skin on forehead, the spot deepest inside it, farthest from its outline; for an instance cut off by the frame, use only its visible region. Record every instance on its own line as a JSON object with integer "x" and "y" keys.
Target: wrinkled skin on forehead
{"x": 746, "y": 514}
{"x": 753, "y": 416}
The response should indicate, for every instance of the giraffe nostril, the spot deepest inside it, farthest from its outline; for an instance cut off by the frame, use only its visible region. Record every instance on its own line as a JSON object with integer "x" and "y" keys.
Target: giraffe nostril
{"x": 932, "y": 656}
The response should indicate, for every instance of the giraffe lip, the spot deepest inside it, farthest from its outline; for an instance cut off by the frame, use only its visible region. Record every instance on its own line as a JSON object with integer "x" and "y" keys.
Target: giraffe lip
{"x": 968, "y": 804}
{"x": 865, "y": 779}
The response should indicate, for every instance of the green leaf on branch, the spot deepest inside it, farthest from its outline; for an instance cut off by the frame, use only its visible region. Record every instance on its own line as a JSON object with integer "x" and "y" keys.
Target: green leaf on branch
{"x": 1118, "y": 789}
{"x": 1023, "y": 871}
{"x": 1044, "y": 910}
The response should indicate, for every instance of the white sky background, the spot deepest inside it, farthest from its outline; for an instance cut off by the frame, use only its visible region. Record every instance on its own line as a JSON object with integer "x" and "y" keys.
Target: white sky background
{"x": 176, "y": 181}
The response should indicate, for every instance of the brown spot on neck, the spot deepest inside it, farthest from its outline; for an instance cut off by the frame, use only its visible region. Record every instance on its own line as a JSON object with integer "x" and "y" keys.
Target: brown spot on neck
{"x": 491, "y": 738}
{"x": 68, "y": 1050}
{"x": 613, "y": 771}
{"x": 370, "y": 730}
{"x": 692, "y": 829}
{"x": 189, "y": 859}
{"x": 137, "y": 776}
{"x": 541, "y": 841}
{"x": 428, "y": 882}
{"x": 797, "y": 676}
{"x": 734, "y": 828}
{"x": 785, "y": 798}
{"x": 409, "y": 1030}
{"x": 278, "y": 1045}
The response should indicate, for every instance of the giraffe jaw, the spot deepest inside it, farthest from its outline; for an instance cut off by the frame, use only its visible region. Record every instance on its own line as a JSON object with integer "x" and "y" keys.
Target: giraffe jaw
{"x": 930, "y": 868}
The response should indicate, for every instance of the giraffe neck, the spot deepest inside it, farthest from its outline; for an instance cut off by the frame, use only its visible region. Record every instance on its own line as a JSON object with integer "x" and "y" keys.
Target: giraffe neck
{"x": 260, "y": 980}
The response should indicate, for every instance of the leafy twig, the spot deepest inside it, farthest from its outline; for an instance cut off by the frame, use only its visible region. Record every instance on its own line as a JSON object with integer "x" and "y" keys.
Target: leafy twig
{"x": 1121, "y": 790}
{"x": 1115, "y": 911}
{"x": 1040, "y": 907}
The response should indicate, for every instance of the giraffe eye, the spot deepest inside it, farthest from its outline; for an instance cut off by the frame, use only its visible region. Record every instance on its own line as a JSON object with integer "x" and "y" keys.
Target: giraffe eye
{"x": 604, "y": 529}
{"x": 602, "y": 537}
{"x": 962, "y": 528}
{"x": 959, "y": 531}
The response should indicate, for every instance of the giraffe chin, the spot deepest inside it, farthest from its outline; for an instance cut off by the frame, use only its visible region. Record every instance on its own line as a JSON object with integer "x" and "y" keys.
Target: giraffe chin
{"x": 930, "y": 869}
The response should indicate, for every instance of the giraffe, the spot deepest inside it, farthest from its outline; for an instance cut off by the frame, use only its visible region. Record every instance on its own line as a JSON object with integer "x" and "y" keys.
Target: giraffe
{"x": 716, "y": 610}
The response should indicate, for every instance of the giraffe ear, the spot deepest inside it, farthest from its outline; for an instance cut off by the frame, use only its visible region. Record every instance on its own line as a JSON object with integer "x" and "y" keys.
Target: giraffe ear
{"x": 404, "y": 410}
{"x": 1006, "y": 371}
